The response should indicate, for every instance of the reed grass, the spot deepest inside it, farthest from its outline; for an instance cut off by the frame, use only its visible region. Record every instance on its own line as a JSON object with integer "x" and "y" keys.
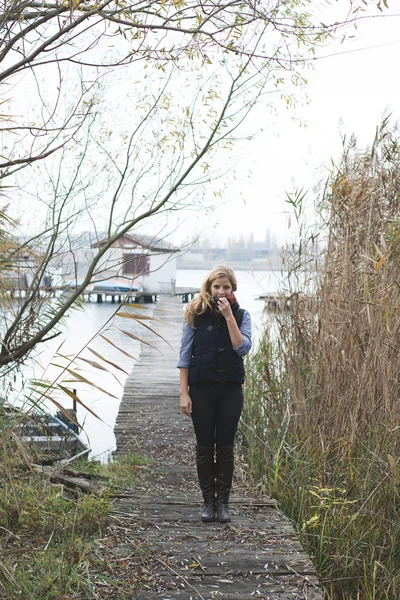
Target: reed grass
{"x": 321, "y": 425}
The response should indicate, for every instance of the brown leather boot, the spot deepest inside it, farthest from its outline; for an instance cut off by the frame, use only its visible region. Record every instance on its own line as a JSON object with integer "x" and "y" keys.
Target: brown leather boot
{"x": 224, "y": 475}
{"x": 206, "y": 474}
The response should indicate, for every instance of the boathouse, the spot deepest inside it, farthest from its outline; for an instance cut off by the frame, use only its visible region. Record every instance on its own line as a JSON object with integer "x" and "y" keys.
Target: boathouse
{"x": 142, "y": 263}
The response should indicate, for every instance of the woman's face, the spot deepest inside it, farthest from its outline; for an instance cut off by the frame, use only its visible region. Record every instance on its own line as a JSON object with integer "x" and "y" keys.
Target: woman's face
{"x": 221, "y": 287}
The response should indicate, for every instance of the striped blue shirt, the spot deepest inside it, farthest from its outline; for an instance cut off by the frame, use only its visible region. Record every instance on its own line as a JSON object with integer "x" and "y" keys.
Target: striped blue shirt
{"x": 188, "y": 336}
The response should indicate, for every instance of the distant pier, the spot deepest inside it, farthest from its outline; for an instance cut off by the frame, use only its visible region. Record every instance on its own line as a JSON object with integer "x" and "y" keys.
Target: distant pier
{"x": 104, "y": 295}
{"x": 276, "y": 302}
{"x": 101, "y": 295}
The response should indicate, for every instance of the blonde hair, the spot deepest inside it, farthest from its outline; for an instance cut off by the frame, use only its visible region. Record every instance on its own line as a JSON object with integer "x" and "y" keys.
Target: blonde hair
{"x": 199, "y": 305}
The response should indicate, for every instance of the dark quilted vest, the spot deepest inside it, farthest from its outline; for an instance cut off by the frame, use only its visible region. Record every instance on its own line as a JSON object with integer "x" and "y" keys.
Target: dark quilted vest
{"x": 213, "y": 358}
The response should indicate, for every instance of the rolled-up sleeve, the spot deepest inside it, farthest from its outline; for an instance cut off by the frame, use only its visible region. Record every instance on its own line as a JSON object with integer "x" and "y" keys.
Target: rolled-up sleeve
{"x": 186, "y": 347}
{"x": 245, "y": 330}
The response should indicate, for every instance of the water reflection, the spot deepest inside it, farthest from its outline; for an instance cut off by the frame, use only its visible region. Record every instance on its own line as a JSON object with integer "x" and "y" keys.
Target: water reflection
{"x": 79, "y": 335}
{"x": 78, "y": 338}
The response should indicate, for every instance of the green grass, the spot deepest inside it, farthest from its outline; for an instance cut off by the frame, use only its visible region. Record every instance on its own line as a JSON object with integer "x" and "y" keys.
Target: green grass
{"x": 49, "y": 539}
{"x": 48, "y": 573}
{"x": 121, "y": 473}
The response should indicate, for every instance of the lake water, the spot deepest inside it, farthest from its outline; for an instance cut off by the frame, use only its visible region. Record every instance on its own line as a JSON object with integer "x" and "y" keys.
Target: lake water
{"x": 80, "y": 335}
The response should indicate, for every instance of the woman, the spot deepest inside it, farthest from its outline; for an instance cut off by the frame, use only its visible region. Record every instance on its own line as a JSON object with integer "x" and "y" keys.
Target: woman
{"x": 216, "y": 334}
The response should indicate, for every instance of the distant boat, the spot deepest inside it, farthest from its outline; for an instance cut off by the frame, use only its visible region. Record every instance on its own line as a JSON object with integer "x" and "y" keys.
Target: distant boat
{"x": 112, "y": 285}
{"x": 117, "y": 284}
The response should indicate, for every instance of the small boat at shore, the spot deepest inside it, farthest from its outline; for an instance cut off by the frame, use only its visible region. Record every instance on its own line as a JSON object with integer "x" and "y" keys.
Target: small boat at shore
{"x": 51, "y": 438}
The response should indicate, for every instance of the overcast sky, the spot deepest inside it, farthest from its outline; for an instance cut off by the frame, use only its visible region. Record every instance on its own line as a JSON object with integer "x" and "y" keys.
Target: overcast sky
{"x": 348, "y": 92}
{"x": 351, "y": 86}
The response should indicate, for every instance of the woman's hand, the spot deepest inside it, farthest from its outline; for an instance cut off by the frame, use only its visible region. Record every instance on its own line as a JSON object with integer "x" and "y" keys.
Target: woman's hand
{"x": 185, "y": 404}
{"x": 234, "y": 331}
{"x": 225, "y": 307}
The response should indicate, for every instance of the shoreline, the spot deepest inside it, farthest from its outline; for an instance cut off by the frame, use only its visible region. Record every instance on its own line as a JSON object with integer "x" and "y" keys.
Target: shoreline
{"x": 274, "y": 265}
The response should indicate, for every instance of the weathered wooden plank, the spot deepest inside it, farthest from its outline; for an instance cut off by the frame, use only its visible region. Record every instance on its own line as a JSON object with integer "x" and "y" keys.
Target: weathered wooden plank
{"x": 212, "y": 529}
{"x": 264, "y": 587}
{"x": 183, "y": 500}
{"x": 190, "y": 509}
{"x": 276, "y": 537}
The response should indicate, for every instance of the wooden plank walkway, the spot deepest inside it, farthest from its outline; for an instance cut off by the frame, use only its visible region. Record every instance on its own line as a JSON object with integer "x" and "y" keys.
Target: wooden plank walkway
{"x": 257, "y": 555}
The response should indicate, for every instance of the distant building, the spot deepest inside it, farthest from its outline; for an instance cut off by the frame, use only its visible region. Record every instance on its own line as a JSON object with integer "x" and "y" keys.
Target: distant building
{"x": 144, "y": 260}
{"x": 18, "y": 275}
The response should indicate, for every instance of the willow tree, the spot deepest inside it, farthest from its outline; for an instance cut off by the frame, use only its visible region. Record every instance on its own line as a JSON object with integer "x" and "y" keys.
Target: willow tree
{"x": 115, "y": 112}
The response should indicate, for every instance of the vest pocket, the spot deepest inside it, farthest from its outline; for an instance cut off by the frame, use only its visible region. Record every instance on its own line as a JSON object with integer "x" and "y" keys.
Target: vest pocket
{"x": 194, "y": 370}
{"x": 202, "y": 366}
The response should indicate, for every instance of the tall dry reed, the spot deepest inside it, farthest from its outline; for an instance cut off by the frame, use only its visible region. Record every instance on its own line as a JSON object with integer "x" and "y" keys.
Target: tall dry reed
{"x": 322, "y": 420}
{"x": 349, "y": 356}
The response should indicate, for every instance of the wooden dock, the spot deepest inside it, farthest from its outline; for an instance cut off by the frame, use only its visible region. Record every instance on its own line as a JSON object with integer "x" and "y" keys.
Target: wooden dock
{"x": 257, "y": 555}
{"x": 103, "y": 295}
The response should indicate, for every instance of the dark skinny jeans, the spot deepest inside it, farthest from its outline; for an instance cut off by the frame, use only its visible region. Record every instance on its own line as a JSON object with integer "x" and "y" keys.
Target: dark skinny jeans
{"x": 216, "y": 410}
